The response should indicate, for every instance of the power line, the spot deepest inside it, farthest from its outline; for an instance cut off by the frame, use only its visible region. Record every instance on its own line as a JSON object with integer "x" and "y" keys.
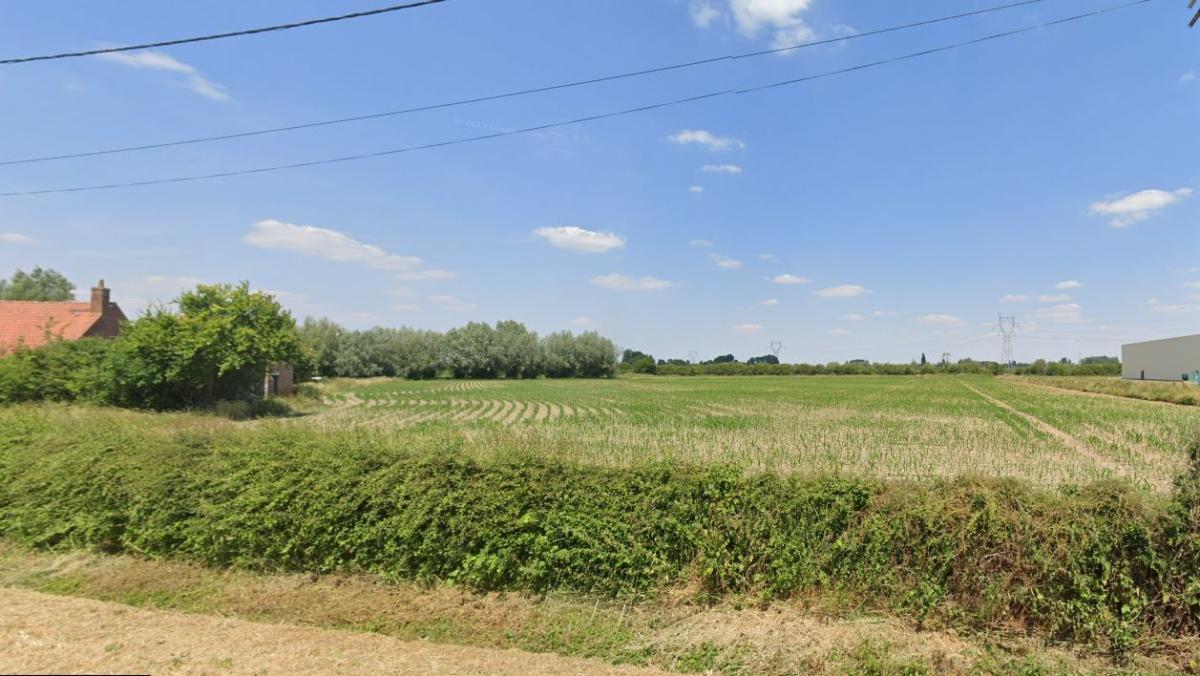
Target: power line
{"x": 220, "y": 36}
{"x": 510, "y": 94}
{"x": 564, "y": 123}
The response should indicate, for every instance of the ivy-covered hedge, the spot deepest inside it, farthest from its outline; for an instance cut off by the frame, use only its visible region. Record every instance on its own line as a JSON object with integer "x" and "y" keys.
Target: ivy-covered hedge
{"x": 1104, "y": 563}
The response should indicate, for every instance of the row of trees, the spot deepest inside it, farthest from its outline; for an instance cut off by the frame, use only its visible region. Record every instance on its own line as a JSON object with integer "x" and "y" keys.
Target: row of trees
{"x": 725, "y": 365}
{"x": 477, "y": 350}
{"x": 215, "y": 347}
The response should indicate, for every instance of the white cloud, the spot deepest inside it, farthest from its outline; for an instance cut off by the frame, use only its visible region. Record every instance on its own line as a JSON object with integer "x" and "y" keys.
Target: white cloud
{"x": 1014, "y": 298}
{"x": 1068, "y": 285}
{"x": 843, "y": 291}
{"x": 707, "y": 139}
{"x": 696, "y": 189}
{"x": 885, "y": 313}
{"x": 767, "y": 257}
{"x": 582, "y": 321}
{"x": 430, "y": 275}
{"x": 1054, "y": 298}
{"x": 1130, "y": 209}
{"x": 174, "y": 282}
{"x": 1067, "y": 313}
{"x": 1158, "y": 306}
{"x": 725, "y": 263}
{"x": 578, "y": 239}
{"x": 1189, "y": 76}
{"x": 1191, "y": 285}
{"x": 18, "y": 238}
{"x": 324, "y": 243}
{"x": 748, "y": 328}
{"x": 626, "y": 283}
{"x": 700, "y": 243}
{"x": 703, "y": 13}
{"x": 940, "y": 320}
{"x": 783, "y": 17}
{"x": 790, "y": 279}
{"x": 452, "y": 303}
{"x": 723, "y": 169}
{"x": 853, "y": 317}
{"x": 149, "y": 60}
{"x": 770, "y": 302}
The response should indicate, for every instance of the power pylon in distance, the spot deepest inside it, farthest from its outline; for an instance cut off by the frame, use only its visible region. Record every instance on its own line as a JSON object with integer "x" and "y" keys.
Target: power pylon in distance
{"x": 1008, "y": 330}
{"x": 776, "y": 347}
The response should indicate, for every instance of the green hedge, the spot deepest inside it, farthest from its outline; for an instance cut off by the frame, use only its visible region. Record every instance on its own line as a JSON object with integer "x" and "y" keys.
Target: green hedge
{"x": 1104, "y": 563}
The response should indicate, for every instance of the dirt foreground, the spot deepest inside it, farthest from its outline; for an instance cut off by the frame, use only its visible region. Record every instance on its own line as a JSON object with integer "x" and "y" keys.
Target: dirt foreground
{"x": 54, "y": 634}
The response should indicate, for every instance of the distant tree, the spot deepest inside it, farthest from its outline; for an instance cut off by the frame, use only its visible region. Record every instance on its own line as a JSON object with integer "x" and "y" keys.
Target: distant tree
{"x": 924, "y": 361}
{"x": 765, "y": 359}
{"x": 472, "y": 351}
{"x": 1100, "y": 360}
{"x": 725, "y": 359}
{"x": 631, "y": 356}
{"x": 41, "y": 284}
{"x": 644, "y": 364}
{"x": 323, "y": 339}
{"x": 517, "y": 350}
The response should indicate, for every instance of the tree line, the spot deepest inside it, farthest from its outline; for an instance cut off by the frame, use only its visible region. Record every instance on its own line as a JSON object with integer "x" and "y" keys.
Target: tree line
{"x": 476, "y": 350}
{"x": 218, "y": 342}
{"x": 635, "y": 361}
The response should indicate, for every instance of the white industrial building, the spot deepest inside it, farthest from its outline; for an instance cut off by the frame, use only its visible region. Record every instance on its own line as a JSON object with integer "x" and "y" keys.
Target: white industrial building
{"x": 1169, "y": 359}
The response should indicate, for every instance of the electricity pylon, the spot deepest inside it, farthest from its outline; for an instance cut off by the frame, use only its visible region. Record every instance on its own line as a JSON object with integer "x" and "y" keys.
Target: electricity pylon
{"x": 1008, "y": 330}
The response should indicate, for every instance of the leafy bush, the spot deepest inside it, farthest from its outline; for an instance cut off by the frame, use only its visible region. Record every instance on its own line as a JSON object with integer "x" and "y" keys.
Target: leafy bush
{"x": 216, "y": 348}
{"x": 1103, "y": 563}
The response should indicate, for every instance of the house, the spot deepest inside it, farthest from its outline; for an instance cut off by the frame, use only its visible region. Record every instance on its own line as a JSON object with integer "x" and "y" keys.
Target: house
{"x": 1167, "y": 359}
{"x": 34, "y": 323}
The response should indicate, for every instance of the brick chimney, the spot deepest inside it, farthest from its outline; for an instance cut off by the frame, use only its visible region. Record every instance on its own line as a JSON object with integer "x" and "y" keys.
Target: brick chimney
{"x": 99, "y": 298}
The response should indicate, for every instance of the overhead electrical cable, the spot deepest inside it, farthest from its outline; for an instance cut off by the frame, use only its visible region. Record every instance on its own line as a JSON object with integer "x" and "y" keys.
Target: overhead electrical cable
{"x": 579, "y": 120}
{"x": 219, "y": 36}
{"x": 510, "y": 94}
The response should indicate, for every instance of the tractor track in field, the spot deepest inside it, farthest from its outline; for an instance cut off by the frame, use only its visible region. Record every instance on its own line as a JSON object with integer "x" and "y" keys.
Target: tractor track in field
{"x": 1071, "y": 442}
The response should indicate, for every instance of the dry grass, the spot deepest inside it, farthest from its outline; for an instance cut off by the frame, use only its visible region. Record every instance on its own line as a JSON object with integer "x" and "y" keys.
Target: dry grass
{"x": 49, "y": 634}
{"x": 816, "y": 635}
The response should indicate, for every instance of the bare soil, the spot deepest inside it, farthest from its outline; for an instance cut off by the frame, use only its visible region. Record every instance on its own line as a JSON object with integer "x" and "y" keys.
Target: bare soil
{"x": 41, "y": 633}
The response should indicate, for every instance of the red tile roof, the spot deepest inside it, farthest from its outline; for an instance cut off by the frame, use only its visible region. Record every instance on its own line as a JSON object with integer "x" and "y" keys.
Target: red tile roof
{"x": 31, "y": 322}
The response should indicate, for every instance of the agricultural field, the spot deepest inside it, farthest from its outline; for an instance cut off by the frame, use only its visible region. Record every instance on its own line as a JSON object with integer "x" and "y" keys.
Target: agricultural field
{"x": 1009, "y": 516}
{"x": 870, "y": 426}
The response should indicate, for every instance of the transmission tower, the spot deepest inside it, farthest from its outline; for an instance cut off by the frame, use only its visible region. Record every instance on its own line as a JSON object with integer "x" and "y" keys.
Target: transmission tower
{"x": 1008, "y": 330}
{"x": 776, "y": 347}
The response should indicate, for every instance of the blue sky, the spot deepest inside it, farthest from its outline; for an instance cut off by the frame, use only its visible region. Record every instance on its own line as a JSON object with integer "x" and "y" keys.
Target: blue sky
{"x": 878, "y": 215}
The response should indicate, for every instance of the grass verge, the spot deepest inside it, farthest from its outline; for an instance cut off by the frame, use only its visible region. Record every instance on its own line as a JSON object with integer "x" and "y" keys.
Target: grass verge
{"x": 670, "y": 631}
{"x": 1186, "y": 394}
{"x": 1104, "y": 565}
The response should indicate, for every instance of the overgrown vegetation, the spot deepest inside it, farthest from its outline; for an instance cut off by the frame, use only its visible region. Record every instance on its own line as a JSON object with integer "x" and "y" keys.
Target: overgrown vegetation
{"x": 1187, "y": 394}
{"x": 476, "y": 350}
{"x": 1105, "y": 563}
{"x": 216, "y": 347}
